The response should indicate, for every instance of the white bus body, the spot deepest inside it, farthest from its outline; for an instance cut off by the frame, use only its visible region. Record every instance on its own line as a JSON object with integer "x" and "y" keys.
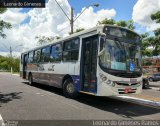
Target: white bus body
{"x": 80, "y": 63}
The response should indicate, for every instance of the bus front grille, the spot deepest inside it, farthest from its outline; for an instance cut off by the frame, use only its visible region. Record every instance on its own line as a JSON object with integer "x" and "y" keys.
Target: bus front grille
{"x": 122, "y": 91}
{"x": 126, "y": 84}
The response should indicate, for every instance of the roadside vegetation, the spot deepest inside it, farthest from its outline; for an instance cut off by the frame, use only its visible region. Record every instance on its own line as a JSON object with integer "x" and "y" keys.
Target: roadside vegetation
{"x": 7, "y": 62}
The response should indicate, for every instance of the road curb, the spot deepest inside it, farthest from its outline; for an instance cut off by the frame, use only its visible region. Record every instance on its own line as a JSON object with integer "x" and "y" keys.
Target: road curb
{"x": 15, "y": 74}
{"x": 140, "y": 101}
{"x": 155, "y": 88}
{"x": 8, "y": 73}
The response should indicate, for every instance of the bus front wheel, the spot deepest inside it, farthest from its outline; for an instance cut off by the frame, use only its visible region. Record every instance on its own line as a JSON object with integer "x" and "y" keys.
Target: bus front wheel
{"x": 69, "y": 89}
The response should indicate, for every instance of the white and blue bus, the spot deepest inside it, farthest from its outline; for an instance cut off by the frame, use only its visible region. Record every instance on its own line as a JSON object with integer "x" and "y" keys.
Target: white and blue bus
{"x": 103, "y": 61}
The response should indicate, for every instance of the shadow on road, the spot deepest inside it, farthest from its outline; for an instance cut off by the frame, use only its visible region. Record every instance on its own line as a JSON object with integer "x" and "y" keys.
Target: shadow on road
{"x": 155, "y": 86}
{"x": 5, "y": 98}
{"x": 121, "y": 108}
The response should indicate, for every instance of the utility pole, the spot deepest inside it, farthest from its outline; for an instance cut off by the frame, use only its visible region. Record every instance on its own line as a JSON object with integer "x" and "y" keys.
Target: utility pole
{"x": 72, "y": 21}
{"x": 10, "y": 49}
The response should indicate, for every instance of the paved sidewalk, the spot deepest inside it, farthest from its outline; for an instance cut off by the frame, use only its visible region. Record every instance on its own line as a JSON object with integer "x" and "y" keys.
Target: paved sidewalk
{"x": 15, "y": 74}
{"x": 143, "y": 99}
{"x": 146, "y": 97}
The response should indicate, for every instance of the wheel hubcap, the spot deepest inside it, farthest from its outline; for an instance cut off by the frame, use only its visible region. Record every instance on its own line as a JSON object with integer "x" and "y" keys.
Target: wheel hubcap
{"x": 30, "y": 79}
{"x": 70, "y": 88}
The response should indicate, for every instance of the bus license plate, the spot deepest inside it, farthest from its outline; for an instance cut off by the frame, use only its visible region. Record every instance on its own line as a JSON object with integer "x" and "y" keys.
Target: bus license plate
{"x": 127, "y": 90}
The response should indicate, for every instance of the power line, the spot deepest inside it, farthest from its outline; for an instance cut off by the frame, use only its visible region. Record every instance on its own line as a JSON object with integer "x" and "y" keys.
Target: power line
{"x": 5, "y": 46}
{"x": 62, "y": 10}
{"x": 62, "y": 29}
{"x": 72, "y": 20}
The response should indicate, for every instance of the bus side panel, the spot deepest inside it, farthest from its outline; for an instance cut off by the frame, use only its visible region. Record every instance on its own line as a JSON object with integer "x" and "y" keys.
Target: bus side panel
{"x": 76, "y": 80}
{"x": 76, "y": 76}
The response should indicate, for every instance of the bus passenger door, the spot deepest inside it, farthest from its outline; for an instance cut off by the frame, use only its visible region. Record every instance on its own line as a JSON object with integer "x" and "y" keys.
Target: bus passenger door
{"x": 24, "y": 67}
{"x": 89, "y": 64}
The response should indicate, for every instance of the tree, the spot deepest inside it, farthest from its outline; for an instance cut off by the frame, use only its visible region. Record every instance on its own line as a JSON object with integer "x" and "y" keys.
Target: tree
{"x": 7, "y": 62}
{"x": 2, "y": 10}
{"x": 3, "y": 24}
{"x": 77, "y": 30}
{"x": 156, "y": 41}
{"x": 122, "y": 23}
{"x": 43, "y": 39}
{"x": 130, "y": 25}
{"x": 107, "y": 21}
{"x": 156, "y": 17}
{"x": 150, "y": 45}
{"x": 145, "y": 45}
{"x": 152, "y": 42}
{"x": 127, "y": 24}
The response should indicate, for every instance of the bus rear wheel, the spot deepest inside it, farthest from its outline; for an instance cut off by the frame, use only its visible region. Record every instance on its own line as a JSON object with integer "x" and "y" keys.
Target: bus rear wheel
{"x": 69, "y": 89}
{"x": 30, "y": 79}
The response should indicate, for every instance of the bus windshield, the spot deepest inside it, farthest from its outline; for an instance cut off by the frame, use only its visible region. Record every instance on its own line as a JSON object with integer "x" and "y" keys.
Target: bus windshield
{"x": 120, "y": 56}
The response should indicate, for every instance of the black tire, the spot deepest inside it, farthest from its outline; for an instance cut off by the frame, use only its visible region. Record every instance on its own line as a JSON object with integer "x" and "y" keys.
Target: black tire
{"x": 145, "y": 84}
{"x": 69, "y": 89}
{"x": 30, "y": 80}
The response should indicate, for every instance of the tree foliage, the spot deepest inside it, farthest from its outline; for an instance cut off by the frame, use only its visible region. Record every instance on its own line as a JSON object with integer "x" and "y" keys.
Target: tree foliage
{"x": 43, "y": 39}
{"x": 107, "y": 21}
{"x": 156, "y": 17}
{"x": 3, "y": 24}
{"x": 79, "y": 29}
{"x": 2, "y": 10}
{"x": 151, "y": 45}
{"x": 130, "y": 25}
{"x": 7, "y": 62}
{"x": 127, "y": 24}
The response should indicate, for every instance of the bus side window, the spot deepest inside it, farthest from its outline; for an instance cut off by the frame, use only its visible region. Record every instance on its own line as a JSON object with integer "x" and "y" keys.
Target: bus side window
{"x": 56, "y": 53}
{"x": 36, "y": 57}
{"x": 26, "y": 58}
{"x": 71, "y": 50}
{"x": 30, "y": 57}
{"x": 45, "y": 55}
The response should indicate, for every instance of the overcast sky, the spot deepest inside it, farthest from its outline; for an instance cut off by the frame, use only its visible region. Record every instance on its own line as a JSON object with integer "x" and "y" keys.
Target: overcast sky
{"x": 50, "y": 21}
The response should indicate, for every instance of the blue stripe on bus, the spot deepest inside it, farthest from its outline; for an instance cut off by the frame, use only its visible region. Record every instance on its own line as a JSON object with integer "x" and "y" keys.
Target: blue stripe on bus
{"x": 76, "y": 80}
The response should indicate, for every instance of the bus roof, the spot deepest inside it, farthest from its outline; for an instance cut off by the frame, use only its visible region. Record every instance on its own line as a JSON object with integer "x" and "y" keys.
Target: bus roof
{"x": 97, "y": 29}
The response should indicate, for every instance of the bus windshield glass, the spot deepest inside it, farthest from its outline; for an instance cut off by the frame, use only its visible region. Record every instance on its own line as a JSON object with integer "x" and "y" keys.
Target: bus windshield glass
{"x": 120, "y": 55}
{"x": 122, "y": 33}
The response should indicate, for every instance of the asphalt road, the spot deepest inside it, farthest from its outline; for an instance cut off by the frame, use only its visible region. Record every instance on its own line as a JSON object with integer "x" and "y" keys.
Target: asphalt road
{"x": 19, "y": 101}
{"x": 153, "y": 90}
